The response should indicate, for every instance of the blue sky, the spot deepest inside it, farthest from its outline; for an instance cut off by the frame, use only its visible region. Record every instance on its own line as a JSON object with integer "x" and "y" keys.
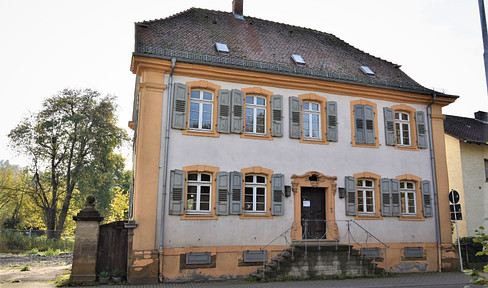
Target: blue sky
{"x": 50, "y": 45}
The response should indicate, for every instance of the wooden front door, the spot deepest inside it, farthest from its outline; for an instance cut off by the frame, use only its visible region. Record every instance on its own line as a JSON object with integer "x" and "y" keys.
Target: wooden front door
{"x": 313, "y": 213}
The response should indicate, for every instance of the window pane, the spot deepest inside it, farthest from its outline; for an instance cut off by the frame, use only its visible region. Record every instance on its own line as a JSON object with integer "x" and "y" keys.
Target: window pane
{"x": 249, "y": 120}
{"x": 191, "y": 198}
{"x": 192, "y": 176}
{"x": 205, "y": 177}
{"x": 195, "y": 94}
{"x": 260, "y": 179}
{"x": 369, "y": 183}
{"x": 409, "y": 185}
{"x": 315, "y": 107}
{"x": 404, "y": 116}
{"x": 248, "y": 199}
{"x": 305, "y": 105}
{"x": 261, "y": 101}
{"x": 397, "y": 116}
{"x": 249, "y": 178}
{"x": 315, "y": 126}
{"x": 249, "y": 100}
{"x": 207, "y": 95}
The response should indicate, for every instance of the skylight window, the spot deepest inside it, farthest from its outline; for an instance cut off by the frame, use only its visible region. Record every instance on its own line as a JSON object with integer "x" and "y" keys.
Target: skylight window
{"x": 221, "y": 47}
{"x": 366, "y": 70}
{"x": 298, "y": 59}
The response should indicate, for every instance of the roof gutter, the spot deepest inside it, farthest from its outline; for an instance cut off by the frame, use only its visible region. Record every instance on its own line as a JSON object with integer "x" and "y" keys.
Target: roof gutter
{"x": 434, "y": 181}
{"x": 163, "y": 165}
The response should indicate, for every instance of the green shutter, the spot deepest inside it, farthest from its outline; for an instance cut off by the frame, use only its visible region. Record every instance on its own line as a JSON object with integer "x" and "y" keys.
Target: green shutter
{"x": 223, "y": 184}
{"x": 396, "y": 207}
{"x": 295, "y": 117}
{"x": 426, "y": 198}
{"x": 332, "y": 132}
{"x": 276, "y": 114}
{"x": 421, "y": 129}
{"x": 235, "y": 193}
{"x": 389, "y": 126}
{"x": 176, "y": 194}
{"x": 359, "y": 136}
{"x": 369, "y": 135}
{"x": 385, "y": 191}
{"x": 351, "y": 195}
{"x": 278, "y": 194}
{"x": 223, "y": 123}
{"x": 180, "y": 96}
{"x": 237, "y": 102}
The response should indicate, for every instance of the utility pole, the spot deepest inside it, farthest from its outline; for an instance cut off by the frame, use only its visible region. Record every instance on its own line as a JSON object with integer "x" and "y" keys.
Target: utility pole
{"x": 485, "y": 37}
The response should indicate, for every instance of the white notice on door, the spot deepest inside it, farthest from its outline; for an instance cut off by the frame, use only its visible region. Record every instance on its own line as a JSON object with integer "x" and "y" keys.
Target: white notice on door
{"x": 306, "y": 203}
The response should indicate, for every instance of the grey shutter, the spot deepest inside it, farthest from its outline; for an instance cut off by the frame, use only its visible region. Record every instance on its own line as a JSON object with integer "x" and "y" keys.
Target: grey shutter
{"x": 351, "y": 195}
{"x": 426, "y": 198}
{"x": 237, "y": 101}
{"x": 332, "y": 121}
{"x": 421, "y": 131}
{"x": 278, "y": 193}
{"x": 385, "y": 191}
{"x": 276, "y": 114}
{"x": 389, "y": 126}
{"x": 235, "y": 193}
{"x": 180, "y": 96}
{"x": 177, "y": 188}
{"x": 369, "y": 125}
{"x": 396, "y": 207}
{"x": 295, "y": 118}
{"x": 359, "y": 136}
{"x": 223, "y": 184}
{"x": 223, "y": 123}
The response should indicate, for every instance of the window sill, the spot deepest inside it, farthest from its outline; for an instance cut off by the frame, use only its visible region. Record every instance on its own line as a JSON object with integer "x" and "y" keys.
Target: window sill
{"x": 256, "y": 216}
{"x": 201, "y": 133}
{"x": 257, "y": 136}
{"x": 411, "y": 218}
{"x": 314, "y": 141}
{"x": 199, "y": 217}
{"x": 407, "y": 148}
{"x": 376, "y": 145}
{"x": 368, "y": 217}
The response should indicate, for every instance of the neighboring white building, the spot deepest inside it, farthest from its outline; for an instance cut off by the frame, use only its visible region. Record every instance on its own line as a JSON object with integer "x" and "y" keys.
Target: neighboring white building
{"x": 246, "y": 128}
{"x": 467, "y": 164}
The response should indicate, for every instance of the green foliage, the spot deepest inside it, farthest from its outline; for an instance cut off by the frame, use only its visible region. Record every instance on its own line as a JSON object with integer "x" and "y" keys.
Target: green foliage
{"x": 118, "y": 273}
{"x": 477, "y": 278}
{"x": 15, "y": 241}
{"x": 25, "y": 268}
{"x": 70, "y": 143}
{"x": 64, "y": 280}
{"x": 470, "y": 247}
{"x": 104, "y": 274}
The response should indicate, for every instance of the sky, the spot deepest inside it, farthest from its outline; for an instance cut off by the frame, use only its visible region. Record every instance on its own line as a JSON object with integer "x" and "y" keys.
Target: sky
{"x": 50, "y": 45}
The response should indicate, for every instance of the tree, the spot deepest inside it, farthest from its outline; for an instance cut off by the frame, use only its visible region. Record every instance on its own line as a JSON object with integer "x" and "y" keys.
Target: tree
{"x": 477, "y": 278}
{"x": 74, "y": 132}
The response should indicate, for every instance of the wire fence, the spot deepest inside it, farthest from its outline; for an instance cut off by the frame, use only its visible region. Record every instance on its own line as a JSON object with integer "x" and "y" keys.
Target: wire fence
{"x": 18, "y": 240}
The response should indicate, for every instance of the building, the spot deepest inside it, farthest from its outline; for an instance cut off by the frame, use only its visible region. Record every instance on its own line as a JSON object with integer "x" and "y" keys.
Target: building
{"x": 467, "y": 164}
{"x": 247, "y": 129}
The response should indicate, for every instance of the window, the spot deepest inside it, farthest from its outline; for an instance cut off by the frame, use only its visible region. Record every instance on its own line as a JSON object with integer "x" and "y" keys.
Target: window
{"x": 407, "y": 194}
{"x": 364, "y": 124}
{"x": 201, "y": 107}
{"x": 486, "y": 169}
{"x": 365, "y": 190}
{"x": 255, "y": 194}
{"x": 198, "y": 193}
{"x": 255, "y": 115}
{"x": 311, "y": 120}
{"x": 402, "y": 127}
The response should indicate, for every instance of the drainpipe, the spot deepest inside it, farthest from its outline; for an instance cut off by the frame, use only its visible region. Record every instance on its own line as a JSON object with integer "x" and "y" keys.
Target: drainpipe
{"x": 434, "y": 181}
{"x": 163, "y": 165}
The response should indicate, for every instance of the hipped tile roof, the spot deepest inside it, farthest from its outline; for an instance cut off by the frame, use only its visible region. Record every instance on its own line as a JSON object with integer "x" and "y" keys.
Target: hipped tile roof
{"x": 466, "y": 129}
{"x": 267, "y": 46}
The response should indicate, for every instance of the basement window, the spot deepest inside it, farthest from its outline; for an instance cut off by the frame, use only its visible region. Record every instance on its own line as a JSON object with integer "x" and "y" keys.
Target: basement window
{"x": 221, "y": 47}
{"x": 366, "y": 70}
{"x": 298, "y": 59}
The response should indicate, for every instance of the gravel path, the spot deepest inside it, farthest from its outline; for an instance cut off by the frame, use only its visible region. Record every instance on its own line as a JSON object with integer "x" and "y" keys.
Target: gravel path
{"x": 20, "y": 260}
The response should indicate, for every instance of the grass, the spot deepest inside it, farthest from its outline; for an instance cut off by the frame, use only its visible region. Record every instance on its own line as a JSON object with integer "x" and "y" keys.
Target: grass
{"x": 64, "y": 280}
{"x": 25, "y": 268}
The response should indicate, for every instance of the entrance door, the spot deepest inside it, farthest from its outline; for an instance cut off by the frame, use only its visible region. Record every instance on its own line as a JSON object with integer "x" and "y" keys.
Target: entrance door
{"x": 313, "y": 213}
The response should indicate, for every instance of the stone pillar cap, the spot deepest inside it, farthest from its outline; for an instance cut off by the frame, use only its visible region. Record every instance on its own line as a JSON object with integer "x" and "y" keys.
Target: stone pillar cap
{"x": 89, "y": 213}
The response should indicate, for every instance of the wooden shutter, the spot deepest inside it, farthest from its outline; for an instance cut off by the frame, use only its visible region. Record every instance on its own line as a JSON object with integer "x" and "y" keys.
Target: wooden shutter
{"x": 295, "y": 119}
{"x": 237, "y": 102}
{"x": 176, "y": 194}
{"x": 389, "y": 126}
{"x": 276, "y": 114}
{"x": 426, "y": 198}
{"x": 180, "y": 96}
{"x": 369, "y": 135}
{"x": 421, "y": 129}
{"x": 332, "y": 132}
{"x": 396, "y": 205}
{"x": 223, "y": 184}
{"x": 278, "y": 194}
{"x": 385, "y": 191}
{"x": 223, "y": 123}
{"x": 359, "y": 136}
{"x": 351, "y": 195}
{"x": 235, "y": 193}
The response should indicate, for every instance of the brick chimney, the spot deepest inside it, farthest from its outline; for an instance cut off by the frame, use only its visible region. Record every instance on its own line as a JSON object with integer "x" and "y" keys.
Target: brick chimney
{"x": 481, "y": 115}
{"x": 237, "y": 8}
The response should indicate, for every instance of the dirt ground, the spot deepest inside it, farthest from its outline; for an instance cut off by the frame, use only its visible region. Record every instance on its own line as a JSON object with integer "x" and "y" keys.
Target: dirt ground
{"x": 43, "y": 270}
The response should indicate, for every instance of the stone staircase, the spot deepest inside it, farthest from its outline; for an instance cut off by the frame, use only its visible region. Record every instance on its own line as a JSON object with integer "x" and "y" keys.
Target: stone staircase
{"x": 314, "y": 259}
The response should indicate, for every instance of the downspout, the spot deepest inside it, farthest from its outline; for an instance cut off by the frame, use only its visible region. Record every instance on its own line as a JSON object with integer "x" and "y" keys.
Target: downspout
{"x": 163, "y": 163}
{"x": 434, "y": 182}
